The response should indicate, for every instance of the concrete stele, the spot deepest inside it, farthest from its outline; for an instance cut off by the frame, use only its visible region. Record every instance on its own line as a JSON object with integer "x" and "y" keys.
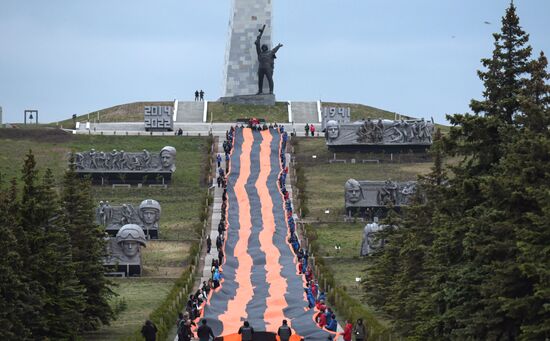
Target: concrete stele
{"x": 241, "y": 60}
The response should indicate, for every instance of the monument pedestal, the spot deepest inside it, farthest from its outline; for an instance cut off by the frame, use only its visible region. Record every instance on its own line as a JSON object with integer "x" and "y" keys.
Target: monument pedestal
{"x": 127, "y": 177}
{"x": 261, "y": 99}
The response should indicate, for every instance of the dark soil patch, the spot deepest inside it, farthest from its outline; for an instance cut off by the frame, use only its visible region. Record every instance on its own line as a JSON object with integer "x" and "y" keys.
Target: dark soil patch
{"x": 36, "y": 134}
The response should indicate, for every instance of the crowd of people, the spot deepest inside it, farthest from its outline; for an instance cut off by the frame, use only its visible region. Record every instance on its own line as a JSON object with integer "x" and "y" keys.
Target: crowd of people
{"x": 257, "y": 125}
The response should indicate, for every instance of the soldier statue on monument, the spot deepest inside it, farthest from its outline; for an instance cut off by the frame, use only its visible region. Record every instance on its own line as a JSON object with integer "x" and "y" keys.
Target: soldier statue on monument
{"x": 266, "y": 59}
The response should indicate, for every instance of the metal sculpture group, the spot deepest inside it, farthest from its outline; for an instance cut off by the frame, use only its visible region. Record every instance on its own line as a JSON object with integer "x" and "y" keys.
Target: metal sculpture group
{"x": 124, "y": 250}
{"x": 379, "y": 133}
{"x": 128, "y": 230}
{"x": 374, "y": 197}
{"x": 113, "y": 217}
{"x": 128, "y": 167}
{"x": 371, "y": 241}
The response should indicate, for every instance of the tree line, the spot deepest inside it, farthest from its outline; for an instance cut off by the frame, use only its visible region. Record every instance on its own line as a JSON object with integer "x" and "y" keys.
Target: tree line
{"x": 51, "y": 273}
{"x": 470, "y": 259}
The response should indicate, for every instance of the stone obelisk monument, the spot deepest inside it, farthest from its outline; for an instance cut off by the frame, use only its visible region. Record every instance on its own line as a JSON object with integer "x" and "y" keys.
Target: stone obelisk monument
{"x": 240, "y": 79}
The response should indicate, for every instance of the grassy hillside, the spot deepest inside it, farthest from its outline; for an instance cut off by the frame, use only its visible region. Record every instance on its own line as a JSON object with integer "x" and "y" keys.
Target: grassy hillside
{"x": 324, "y": 190}
{"x": 141, "y": 296}
{"x": 163, "y": 260}
{"x": 129, "y": 112}
{"x": 217, "y": 112}
{"x": 360, "y": 111}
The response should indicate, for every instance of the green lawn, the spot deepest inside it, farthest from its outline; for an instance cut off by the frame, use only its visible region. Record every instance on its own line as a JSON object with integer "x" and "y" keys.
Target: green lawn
{"x": 141, "y": 296}
{"x": 360, "y": 111}
{"x": 165, "y": 258}
{"x": 324, "y": 188}
{"x": 180, "y": 207}
{"x": 217, "y": 112}
{"x": 325, "y": 183}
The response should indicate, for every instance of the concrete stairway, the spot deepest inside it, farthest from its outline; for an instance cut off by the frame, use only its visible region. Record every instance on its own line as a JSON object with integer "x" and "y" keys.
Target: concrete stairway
{"x": 304, "y": 112}
{"x": 190, "y": 111}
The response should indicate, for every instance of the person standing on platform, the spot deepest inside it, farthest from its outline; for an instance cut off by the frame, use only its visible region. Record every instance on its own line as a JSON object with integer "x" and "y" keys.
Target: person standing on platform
{"x": 360, "y": 331}
{"x": 306, "y": 128}
{"x": 196, "y": 95}
{"x": 205, "y": 332}
{"x": 246, "y": 331}
{"x": 284, "y": 332}
{"x": 201, "y": 95}
{"x": 312, "y": 129}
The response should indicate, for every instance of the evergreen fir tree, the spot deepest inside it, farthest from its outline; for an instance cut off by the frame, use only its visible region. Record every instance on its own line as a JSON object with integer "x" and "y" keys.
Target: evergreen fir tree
{"x": 29, "y": 234}
{"x": 88, "y": 250}
{"x": 383, "y": 264}
{"x": 64, "y": 303}
{"x": 526, "y": 179}
{"x": 482, "y": 135}
{"x": 14, "y": 296}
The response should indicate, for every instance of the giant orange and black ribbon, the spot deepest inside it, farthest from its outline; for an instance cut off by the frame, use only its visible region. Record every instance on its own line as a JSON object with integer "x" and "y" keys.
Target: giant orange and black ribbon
{"x": 260, "y": 280}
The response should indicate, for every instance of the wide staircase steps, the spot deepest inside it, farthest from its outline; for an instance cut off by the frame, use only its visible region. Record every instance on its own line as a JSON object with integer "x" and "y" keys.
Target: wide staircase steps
{"x": 304, "y": 112}
{"x": 190, "y": 111}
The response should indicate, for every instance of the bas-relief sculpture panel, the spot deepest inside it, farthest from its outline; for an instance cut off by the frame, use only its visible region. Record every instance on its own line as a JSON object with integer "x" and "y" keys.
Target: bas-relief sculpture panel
{"x": 379, "y": 132}
{"x": 363, "y": 194}
{"x": 119, "y": 161}
{"x": 114, "y": 217}
{"x": 124, "y": 250}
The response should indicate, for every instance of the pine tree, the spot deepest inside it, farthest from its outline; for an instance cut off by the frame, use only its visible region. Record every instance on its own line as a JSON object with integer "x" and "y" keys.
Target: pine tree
{"x": 384, "y": 263}
{"x": 526, "y": 178}
{"x": 88, "y": 250}
{"x": 535, "y": 100}
{"x": 29, "y": 234}
{"x": 14, "y": 295}
{"x": 64, "y": 303}
{"x": 482, "y": 135}
{"x": 410, "y": 284}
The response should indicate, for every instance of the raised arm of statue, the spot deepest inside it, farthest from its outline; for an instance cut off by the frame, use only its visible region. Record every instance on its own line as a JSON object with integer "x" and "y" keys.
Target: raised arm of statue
{"x": 258, "y": 39}
{"x": 276, "y": 48}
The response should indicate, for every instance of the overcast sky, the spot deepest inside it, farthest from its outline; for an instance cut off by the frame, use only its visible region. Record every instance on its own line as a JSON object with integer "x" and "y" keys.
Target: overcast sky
{"x": 418, "y": 57}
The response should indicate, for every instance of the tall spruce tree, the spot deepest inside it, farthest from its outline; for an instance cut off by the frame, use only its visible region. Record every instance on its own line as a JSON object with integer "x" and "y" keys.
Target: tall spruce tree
{"x": 384, "y": 263}
{"x": 88, "y": 250}
{"x": 526, "y": 179}
{"x": 14, "y": 293}
{"x": 481, "y": 136}
{"x": 48, "y": 269}
{"x": 30, "y": 233}
{"x": 64, "y": 303}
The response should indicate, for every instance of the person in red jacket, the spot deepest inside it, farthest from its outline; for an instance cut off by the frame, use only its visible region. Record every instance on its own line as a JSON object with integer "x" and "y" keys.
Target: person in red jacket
{"x": 322, "y": 318}
{"x": 347, "y": 331}
{"x": 312, "y": 129}
{"x": 321, "y": 305}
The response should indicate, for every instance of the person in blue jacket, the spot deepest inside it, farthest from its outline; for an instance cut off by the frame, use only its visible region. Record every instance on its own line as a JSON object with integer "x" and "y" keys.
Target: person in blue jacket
{"x": 333, "y": 324}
